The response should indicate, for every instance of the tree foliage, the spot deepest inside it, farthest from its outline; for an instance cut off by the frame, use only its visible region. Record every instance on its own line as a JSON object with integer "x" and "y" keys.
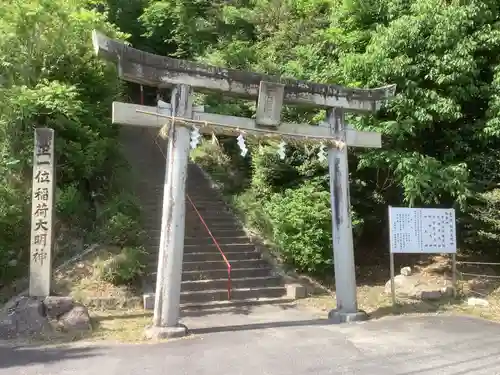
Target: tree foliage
{"x": 441, "y": 133}
{"x": 51, "y": 78}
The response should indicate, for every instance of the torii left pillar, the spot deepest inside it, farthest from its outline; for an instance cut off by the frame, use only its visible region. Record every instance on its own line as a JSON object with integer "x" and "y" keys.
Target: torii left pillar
{"x": 168, "y": 287}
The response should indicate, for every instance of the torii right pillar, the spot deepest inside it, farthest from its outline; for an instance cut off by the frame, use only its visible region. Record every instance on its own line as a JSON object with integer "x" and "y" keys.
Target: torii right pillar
{"x": 343, "y": 247}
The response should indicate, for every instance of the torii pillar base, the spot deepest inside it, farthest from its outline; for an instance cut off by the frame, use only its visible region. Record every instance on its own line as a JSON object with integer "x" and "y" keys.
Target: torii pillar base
{"x": 162, "y": 333}
{"x": 338, "y": 317}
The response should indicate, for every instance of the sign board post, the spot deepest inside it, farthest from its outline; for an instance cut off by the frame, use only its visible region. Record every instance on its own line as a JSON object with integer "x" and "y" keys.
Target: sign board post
{"x": 42, "y": 213}
{"x": 421, "y": 231}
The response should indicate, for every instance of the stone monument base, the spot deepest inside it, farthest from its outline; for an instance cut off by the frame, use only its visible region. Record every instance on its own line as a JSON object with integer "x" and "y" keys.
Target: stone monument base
{"x": 161, "y": 333}
{"x": 337, "y": 317}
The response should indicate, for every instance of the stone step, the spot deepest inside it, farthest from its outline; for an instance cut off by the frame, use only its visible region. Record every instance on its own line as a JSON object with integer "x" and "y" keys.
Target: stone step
{"x": 212, "y": 217}
{"x": 218, "y": 307}
{"x": 198, "y": 239}
{"x": 226, "y": 248}
{"x": 253, "y": 282}
{"x": 206, "y": 206}
{"x": 214, "y": 223}
{"x": 221, "y": 264}
{"x": 154, "y": 209}
{"x": 210, "y": 211}
{"x": 221, "y": 240}
{"x": 205, "y": 273}
{"x": 216, "y": 232}
{"x": 195, "y": 223}
{"x": 222, "y": 273}
{"x": 236, "y": 294}
{"x": 212, "y": 227}
{"x": 193, "y": 230}
{"x": 154, "y": 234}
{"x": 215, "y": 256}
{"x": 209, "y": 256}
{"x": 206, "y": 201}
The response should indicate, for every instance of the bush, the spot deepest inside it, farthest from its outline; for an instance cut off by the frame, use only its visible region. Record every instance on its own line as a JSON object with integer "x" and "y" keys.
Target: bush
{"x": 14, "y": 227}
{"x": 480, "y": 226}
{"x": 52, "y": 78}
{"x": 249, "y": 206}
{"x": 302, "y": 227}
{"x": 119, "y": 222}
{"x": 270, "y": 173}
{"x": 213, "y": 157}
{"x": 123, "y": 268}
{"x": 73, "y": 208}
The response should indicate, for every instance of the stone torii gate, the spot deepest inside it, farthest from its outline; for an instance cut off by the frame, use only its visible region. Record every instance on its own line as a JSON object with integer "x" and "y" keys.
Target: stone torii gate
{"x": 271, "y": 92}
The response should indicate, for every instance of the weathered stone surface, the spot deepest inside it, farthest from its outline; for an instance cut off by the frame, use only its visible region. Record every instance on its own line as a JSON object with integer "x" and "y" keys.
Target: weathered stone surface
{"x": 296, "y": 291}
{"x": 406, "y": 271}
{"x": 416, "y": 287}
{"x": 148, "y": 300}
{"x": 26, "y": 316}
{"x": 77, "y": 319}
{"x": 7, "y": 326}
{"x": 57, "y": 306}
{"x": 428, "y": 295}
{"x": 399, "y": 282}
{"x": 149, "y": 69}
{"x": 161, "y": 333}
{"x": 472, "y": 301}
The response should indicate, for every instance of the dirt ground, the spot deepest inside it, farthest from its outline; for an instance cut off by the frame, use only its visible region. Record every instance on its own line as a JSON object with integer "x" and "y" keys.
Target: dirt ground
{"x": 121, "y": 321}
{"x": 473, "y": 280}
{"x": 128, "y": 324}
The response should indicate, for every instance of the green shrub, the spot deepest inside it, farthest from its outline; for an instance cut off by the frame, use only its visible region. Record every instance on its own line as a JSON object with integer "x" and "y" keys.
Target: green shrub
{"x": 250, "y": 208}
{"x": 270, "y": 173}
{"x": 119, "y": 222}
{"x": 213, "y": 158}
{"x": 14, "y": 229}
{"x": 480, "y": 225}
{"x": 73, "y": 208}
{"x": 302, "y": 227}
{"x": 123, "y": 268}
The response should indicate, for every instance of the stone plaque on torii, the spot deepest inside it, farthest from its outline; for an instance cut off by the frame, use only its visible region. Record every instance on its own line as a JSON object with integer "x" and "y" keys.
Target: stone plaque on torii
{"x": 271, "y": 93}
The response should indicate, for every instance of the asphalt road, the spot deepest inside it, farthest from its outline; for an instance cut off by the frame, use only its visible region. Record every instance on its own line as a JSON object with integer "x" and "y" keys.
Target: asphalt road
{"x": 397, "y": 345}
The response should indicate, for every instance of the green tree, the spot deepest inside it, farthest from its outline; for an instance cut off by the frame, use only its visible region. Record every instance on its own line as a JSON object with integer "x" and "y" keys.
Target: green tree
{"x": 440, "y": 133}
{"x": 51, "y": 78}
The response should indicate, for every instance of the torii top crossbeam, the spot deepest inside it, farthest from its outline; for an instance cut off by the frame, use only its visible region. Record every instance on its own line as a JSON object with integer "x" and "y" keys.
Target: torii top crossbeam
{"x": 159, "y": 71}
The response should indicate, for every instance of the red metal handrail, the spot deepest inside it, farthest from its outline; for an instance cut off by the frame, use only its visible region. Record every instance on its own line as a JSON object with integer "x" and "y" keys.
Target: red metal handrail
{"x": 216, "y": 245}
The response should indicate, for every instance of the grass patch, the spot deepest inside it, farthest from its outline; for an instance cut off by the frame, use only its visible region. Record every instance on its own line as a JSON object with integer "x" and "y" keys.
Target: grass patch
{"x": 93, "y": 281}
{"x": 84, "y": 279}
{"x": 120, "y": 325}
{"x": 377, "y": 304}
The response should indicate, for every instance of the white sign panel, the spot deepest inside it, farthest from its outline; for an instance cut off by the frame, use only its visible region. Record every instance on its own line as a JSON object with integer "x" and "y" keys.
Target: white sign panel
{"x": 422, "y": 230}
{"x": 41, "y": 213}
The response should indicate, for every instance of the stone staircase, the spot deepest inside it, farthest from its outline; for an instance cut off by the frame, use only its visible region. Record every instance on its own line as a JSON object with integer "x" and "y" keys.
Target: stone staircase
{"x": 205, "y": 274}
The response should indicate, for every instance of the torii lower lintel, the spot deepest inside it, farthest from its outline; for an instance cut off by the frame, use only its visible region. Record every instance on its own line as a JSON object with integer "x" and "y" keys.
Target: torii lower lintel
{"x": 153, "y": 70}
{"x": 130, "y": 114}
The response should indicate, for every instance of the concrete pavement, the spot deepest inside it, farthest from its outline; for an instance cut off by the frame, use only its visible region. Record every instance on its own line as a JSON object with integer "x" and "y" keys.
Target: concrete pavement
{"x": 422, "y": 345}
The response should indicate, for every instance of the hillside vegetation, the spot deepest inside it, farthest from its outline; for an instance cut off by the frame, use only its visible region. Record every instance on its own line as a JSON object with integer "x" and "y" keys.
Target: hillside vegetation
{"x": 50, "y": 78}
{"x": 441, "y": 134}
